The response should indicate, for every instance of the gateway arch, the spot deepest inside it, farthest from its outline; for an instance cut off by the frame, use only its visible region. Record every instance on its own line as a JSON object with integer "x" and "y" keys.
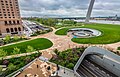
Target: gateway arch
{"x": 89, "y": 11}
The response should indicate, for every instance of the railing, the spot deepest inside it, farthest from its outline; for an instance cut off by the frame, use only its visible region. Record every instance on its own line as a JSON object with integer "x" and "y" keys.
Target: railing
{"x": 16, "y": 73}
{"x": 65, "y": 69}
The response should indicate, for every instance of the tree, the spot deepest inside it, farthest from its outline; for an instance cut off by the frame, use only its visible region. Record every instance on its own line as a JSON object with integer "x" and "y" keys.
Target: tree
{"x": 30, "y": 49}
{"x": 16, "y": 51}
{"x": 23, "y": 36}
{"x": 2, "y": 53}
{"x": 70, "y": 65}
{"x": 1, "y": 69}
{"x": 7, "y": 39}
{"x": 27, "y": 59}
{"x": 1, "y": 42}
{"x": 11, "y": 66}
{"x": 16, "y": 38}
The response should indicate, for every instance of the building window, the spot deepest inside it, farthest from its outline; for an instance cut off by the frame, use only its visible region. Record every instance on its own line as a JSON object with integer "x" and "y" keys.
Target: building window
{"x": 4, "y": 14}
{"x": 14, "y": 22}
{"x": 10, "y": 22}
{"x": 8, "y": 14}
{"x": 15, "y": 29}
{"x": 7, "y": 30}
{"x": 0, "y": 32}
{"x": 18, "y": 22}
{"x": 19, "y": 29}
{"x": 11, "y": 29}
{"x": 5, "y": 22}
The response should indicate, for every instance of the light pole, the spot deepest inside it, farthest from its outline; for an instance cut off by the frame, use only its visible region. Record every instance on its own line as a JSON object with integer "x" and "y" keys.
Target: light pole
{"x": 89, "y": 11}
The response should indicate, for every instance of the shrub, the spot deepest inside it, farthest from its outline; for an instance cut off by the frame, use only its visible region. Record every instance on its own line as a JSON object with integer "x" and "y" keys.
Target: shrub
{"x": 11, "y": 66}
{"x": 2, "y": 53}
{"x": 7, "y": 39}
{"x": 1, "y": 42}
{"x": 67, "y": 58}
{"x": 5, "y": 62}
{"x": 16, "y": 38}
{"x": 30, "y": 49}
{"x": 16, "y": 51}
{"x": 70, "y": 65}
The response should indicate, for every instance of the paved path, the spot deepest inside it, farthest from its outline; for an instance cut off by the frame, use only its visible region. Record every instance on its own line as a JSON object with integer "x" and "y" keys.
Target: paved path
{"x": 63, "y": 43}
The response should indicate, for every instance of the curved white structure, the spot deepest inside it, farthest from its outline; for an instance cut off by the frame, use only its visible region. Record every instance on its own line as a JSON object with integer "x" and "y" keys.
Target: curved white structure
{"x": 109, "y": 61}
{"x": 84, "y": 32}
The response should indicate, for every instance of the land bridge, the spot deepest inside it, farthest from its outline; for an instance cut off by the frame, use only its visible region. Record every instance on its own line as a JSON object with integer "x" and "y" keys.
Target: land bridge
{"x": 104, "y": 58}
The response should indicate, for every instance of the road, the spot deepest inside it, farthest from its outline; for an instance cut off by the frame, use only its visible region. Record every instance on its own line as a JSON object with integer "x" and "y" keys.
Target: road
{"x": 90, "y": 69}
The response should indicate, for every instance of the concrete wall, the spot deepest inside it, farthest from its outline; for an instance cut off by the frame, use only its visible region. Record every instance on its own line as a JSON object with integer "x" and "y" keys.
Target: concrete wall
{"x": 108, "y": 64}
{"x": 110, "y": 60}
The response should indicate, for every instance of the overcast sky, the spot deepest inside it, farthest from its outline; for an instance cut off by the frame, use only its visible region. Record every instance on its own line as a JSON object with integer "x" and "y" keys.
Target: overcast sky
{"x": 68, "y": 7}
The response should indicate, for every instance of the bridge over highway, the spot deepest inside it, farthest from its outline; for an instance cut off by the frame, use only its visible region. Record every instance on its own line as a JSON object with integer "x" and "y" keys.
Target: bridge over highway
{"x": 98, "y": 62}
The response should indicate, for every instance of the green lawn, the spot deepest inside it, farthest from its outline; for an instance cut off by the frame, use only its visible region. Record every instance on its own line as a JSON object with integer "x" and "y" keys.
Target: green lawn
{"x": 15, "y": 64}
{"x": 37, "y": 44}
{"x": 118, "y": 48}
{"x": 110, "y": 34}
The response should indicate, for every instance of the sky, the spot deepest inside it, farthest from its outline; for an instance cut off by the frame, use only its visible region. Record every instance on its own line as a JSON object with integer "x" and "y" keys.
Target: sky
{"x": 68, "y": 8}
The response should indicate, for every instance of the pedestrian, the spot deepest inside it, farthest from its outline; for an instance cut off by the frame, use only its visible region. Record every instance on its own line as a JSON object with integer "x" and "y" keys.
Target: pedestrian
{"x": 37, "y": 66}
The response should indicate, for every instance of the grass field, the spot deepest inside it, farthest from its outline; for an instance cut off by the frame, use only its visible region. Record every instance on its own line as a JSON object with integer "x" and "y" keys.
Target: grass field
{"x": 37, "y": 44}
{"x": 110, "y": 34}
{"x": 118, "y": 48}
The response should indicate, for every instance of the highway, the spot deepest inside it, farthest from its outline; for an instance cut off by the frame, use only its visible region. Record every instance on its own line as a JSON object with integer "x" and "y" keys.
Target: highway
{"x": 89, "y": 68}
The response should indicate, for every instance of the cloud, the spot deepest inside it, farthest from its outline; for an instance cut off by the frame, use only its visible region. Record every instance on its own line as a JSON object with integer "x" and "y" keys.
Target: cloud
{"x": 68, "y": 7}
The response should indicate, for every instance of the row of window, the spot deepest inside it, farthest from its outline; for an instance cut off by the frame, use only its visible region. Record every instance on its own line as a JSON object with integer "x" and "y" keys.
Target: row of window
{"x": 13, "y": 30}
{"x": 9, "y": 17}
{"x": 12, "y": 22}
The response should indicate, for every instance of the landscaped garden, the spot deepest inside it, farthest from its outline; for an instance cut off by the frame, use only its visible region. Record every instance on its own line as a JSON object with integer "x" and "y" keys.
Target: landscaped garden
{"x": 56, "y": 23}
{"x": 110, "y": 34}
{"x": 118, "y": 48}
{"x": 25, "y": 47}
{"x": 67, "y": 58}
{"x": 42, "y": 32}
{"x": 14, "y": 64}
{"x": 8, "y": 39}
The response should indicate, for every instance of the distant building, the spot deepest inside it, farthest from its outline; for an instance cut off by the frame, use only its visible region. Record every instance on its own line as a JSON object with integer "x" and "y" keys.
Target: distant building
{"x": 10, "y": 20}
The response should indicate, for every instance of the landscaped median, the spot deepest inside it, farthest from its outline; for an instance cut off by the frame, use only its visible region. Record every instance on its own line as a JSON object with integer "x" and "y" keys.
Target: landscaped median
{"x": 110, "y": 34}
{"x": 9, "y": 66}
{"x": 25, "y": 47}
{"x": 67, "y": 58}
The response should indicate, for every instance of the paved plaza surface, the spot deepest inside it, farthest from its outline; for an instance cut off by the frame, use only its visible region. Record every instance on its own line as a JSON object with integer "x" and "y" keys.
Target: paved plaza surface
{"x": 38, "y": 69}
{"x": 61, "y": 43}
{"x": 66, "y": 73}
{"x": 64, "y": 42}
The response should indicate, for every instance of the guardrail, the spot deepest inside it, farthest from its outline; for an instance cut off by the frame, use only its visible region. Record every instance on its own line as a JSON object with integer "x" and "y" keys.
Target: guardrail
{"x": 14, "y": 74}
{"x": 65, "y": 69}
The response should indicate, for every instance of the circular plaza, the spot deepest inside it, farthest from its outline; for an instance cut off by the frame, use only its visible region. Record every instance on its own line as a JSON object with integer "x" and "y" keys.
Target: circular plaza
{"x": 83, "y": 32}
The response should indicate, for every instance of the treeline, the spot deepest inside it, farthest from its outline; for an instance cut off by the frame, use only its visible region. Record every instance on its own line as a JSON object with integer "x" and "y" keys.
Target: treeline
{"x": 52, "y": 21}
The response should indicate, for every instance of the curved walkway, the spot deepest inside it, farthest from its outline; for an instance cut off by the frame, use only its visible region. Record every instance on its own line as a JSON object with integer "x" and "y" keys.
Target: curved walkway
{"x": 63, "y": 43}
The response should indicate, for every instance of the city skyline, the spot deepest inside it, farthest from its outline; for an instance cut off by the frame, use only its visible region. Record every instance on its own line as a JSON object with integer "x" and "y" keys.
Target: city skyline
{"x": 76, "y": 8}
